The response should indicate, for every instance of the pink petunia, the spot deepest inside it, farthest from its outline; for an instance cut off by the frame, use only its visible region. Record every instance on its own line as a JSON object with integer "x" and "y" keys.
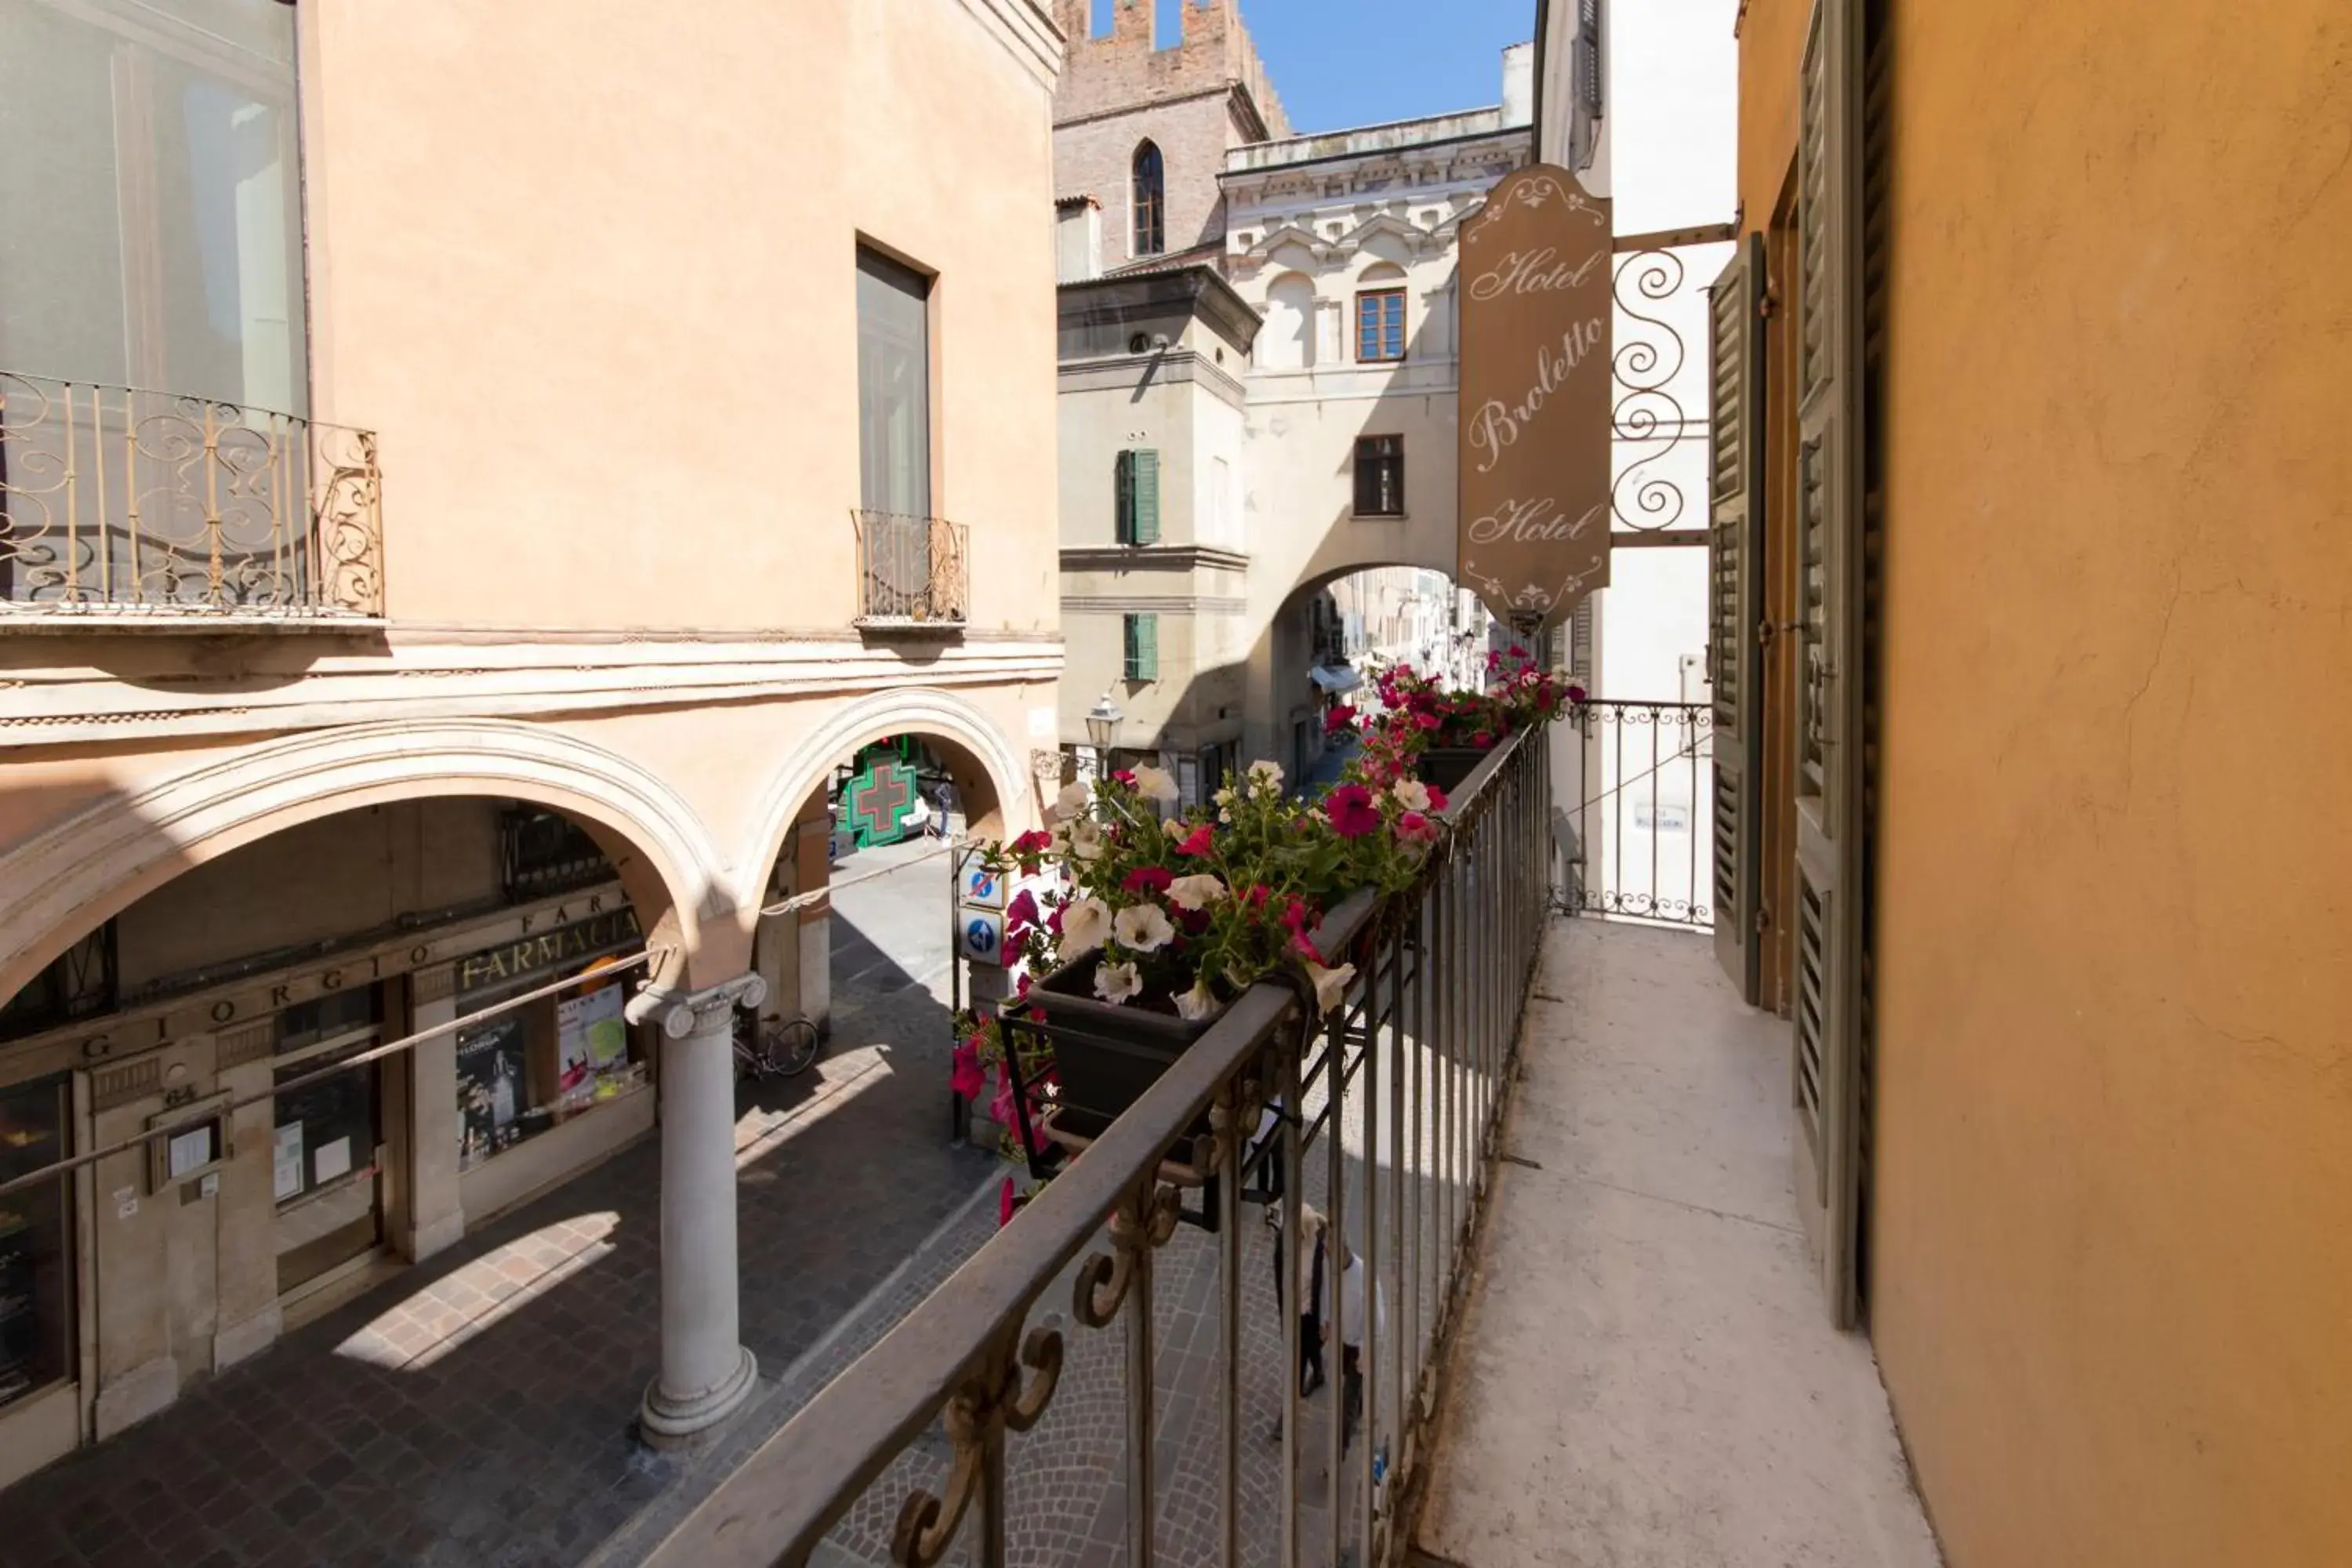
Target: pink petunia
{"x": 1148, "y": 879}
{"x": 1482, "y": 740}
{"x": 1125, "y": 776}
{"x": 1341, "y": 717}
{"x": 1004, "y": 1204}
{"x": 966, "y": 1078}
{"x": 1576, "y": 694}
{"x": 1306, "y": 949}
{"x": 1416, "y": 828}
{"x": 1352, "y": 811}
{"x": 1436, "y": 798}
{"x": 1033, "y": 842}
{"x": 1198, "y": 841}
{"x": 1517, "y": 652}
{"x": 1022, "y": 911}
{"x": 1426, "y": 719}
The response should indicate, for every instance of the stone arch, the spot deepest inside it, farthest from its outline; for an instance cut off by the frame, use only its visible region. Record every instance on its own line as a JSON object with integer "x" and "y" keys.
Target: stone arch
{"x": 90, "y": 867}
{"x": 933, "y": 714}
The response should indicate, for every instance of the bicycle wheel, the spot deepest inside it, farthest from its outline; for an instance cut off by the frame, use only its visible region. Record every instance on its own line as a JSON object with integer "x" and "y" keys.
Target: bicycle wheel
{"x": 788, "y": 1045}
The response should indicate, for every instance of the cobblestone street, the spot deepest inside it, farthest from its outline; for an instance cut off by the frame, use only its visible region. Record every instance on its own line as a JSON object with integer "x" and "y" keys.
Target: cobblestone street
{"x": 474, "y": 1410}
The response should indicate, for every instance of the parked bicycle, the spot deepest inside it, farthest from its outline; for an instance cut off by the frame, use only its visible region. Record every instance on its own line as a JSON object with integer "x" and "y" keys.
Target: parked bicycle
{"x": 773, "y": 1047}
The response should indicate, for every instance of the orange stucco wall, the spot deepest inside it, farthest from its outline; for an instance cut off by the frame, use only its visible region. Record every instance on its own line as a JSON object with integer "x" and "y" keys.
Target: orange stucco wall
{"x": 2113, "y": 1226}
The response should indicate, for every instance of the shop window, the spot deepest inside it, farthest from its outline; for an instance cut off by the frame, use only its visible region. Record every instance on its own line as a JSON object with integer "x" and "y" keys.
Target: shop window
{"x": 78, "y": 984}
{"x": 545, "y": 852}
{"x": 538, "y": 1065}
{"x": 37, "y": 1310}
{"x": 326, "y": 1168}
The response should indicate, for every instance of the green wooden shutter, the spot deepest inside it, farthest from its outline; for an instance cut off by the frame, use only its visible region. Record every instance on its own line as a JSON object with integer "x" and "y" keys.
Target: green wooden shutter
{"x": 1735, "y": 605}
{"x": 1146, "y": 496}
{"x": 1142, "y": 648}
{"x": 1123, "y": 488}
{"x": 1831, "y": 762}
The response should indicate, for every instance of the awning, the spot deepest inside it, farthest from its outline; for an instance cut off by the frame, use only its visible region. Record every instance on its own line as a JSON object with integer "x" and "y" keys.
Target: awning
{"x": 1335, "y": 681}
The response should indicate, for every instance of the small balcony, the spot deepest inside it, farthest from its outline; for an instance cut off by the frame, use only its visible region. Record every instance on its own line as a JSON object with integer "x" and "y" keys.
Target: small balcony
{"x": 1558, "y": 1152}
{"x": 911, "y": 573}
{"x": 125, "y": 508}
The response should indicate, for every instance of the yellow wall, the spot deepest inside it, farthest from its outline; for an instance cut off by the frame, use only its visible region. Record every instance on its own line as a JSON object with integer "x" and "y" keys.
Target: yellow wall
{"x": 2113, "y": 1291}
{"x": 601, "y": 310}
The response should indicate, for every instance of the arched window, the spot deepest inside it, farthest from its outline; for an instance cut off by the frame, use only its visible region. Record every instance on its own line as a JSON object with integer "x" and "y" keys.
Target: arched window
{"x": 1150, "y": 202}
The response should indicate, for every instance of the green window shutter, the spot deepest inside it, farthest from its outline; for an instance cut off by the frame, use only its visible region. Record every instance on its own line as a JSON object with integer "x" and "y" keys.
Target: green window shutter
{"x": 1142, "y": 648}
{"x": 1123, "y": 486}
{"x": 1145, "y": 467}
{"x": 1735, "y": 605}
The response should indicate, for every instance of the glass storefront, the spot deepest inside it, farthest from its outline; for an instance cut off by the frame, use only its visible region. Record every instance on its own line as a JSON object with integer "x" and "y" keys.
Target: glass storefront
{"x": 324, "y": 1167}
{"x": 37, "y": 1327}
{"x": 538, "y": 1065}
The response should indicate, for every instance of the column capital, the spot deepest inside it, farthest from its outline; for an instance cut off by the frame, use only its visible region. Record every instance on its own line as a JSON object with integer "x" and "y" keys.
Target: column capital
{"x": 679, "y": 1013}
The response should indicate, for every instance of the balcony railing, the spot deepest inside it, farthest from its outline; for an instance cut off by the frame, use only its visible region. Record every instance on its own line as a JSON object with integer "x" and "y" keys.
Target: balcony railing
{"x": 1396, "y": 1098}
{"x": 115, "y": 501}
{"x": 910, "y": 570}
{"x": 1641, "y": 804}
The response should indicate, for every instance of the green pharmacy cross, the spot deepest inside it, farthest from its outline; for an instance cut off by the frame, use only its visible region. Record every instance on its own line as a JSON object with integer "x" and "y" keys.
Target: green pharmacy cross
{"x": 880, "y": 797}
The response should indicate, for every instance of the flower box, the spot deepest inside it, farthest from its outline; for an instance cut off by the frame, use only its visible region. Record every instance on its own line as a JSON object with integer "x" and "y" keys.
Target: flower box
{"x": 1108, "y": 1054}
{"x": 1447, "y": 766}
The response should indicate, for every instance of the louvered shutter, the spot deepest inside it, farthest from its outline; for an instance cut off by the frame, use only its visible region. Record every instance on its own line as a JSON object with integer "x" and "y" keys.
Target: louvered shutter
{"x": 1735, "y": 605}
{"x": 1829, "y": 759}
{"x": 1143, "y": 648}
{"x": 1146, "y": 496}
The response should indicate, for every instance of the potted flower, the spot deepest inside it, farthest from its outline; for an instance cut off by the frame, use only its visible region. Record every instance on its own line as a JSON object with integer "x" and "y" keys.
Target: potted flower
{"x": 1164, "y": 920}
{"x": 1439, "y": 736}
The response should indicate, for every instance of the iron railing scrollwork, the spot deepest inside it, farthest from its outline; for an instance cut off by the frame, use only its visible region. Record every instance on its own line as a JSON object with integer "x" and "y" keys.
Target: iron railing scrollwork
{"x": 1640, "y": 810}
{"x": 911, "y": 571}
{"x": 1648, "y": 423}
{"x": 1385, "y": 1114}
{"x": 116, "y": 500}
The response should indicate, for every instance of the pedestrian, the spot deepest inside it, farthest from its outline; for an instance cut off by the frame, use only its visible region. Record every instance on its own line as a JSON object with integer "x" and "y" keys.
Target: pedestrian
{"x": 1355, "y": 1282}
{"x": 946, "y": 802}
{"x": 1311, "y": 1226}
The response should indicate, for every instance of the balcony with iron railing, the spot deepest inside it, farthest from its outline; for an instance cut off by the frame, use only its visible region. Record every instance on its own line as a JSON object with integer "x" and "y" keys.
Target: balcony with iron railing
{"x": 126, "y": 508}
{"x": 912, "y": 573}
{"x": 1556, "y": 1152}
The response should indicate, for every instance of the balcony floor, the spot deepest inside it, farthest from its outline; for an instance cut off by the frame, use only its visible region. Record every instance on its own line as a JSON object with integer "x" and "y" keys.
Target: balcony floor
{"x": 1647, "y": 1374}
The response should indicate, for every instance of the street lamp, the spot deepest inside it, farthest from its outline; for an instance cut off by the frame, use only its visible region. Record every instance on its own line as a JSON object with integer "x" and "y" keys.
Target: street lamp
{"x": 1102, "y": 724}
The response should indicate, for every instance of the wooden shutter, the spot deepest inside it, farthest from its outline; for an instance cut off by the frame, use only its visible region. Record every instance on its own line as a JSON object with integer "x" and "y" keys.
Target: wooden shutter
{"x": 1145, "y": 464}
{"x": 1123, "y": 486}
{"x": 1143, "y": 648}
{"x": 1831, "y": 813}
{"x": 1735, "y": 605}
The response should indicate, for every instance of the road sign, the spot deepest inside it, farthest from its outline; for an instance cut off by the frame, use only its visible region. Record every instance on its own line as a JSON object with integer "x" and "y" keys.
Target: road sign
{"x": 977, "y": 888}
{"x": 980, "y": 933}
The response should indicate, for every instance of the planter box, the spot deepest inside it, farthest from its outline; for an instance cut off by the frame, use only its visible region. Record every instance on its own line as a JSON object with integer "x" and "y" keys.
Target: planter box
{"x": 1106, "y": 1055}
{"x": 1447, "y": 766}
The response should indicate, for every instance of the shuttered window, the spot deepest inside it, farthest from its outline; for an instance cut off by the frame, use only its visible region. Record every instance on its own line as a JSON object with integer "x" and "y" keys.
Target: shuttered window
{"x": 1139, "y": 496}
{"x": 1735, "y": 605}
{"x": 1142, "y": 648}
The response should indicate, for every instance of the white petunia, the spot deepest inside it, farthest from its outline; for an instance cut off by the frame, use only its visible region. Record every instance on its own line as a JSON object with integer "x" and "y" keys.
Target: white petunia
{"x": 1116, "y": 982}
{"x": 1087, "y": 840}
{"x": 1224, "y": 796}
{"x": 1330, "y": 985}
{"x": 1198, "y": 1003}
{"x": 1266, "y": 774}
{"x": 1412, "y": 795}
{"x": 1195, "y": 892}
{"x": 1155, "y": 783}
{"x": 1142, "y": 928}
{"x": 1085, "y": 923}
{"x": 1072, "y": 800}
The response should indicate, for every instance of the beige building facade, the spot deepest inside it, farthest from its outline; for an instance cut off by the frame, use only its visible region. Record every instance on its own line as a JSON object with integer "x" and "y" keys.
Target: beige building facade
{"x": 427, "y": 576}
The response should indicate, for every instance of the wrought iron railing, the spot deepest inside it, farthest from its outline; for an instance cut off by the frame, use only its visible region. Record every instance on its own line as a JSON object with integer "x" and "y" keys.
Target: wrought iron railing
{"x": 1053, "y": 1442}
{"x": 114, "y": 499}
{"x": 911, "y": 571}
{"x": 1638, "y": 800}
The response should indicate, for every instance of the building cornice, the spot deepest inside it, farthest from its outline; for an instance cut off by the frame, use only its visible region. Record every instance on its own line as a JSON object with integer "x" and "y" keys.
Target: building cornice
{"x": 476, "y": 677}
{"x": 1123, "y": 371}
{"x": 1152, "y": 558}
{"x": 1026, "y": 30}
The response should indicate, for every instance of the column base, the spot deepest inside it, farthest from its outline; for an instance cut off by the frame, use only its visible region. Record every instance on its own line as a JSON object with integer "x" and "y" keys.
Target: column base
{"x": 668, "y": 1422}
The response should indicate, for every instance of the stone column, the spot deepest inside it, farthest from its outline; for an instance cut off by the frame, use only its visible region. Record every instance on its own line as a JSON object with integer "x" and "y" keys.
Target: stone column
{"x": 813, "y": 849}
{"x": 434, "y": 1218}
{"x": 706, "y": 1373}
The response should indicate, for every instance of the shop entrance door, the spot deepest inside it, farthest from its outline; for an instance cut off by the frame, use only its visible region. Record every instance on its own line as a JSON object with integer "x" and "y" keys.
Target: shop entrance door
{"x": 327, "y": 1162}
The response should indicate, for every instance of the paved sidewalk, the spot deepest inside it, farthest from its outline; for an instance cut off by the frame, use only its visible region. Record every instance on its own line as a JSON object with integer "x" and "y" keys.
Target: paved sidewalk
{"x": 474, "y": 1410}
{"x": 1647, "y": 1373}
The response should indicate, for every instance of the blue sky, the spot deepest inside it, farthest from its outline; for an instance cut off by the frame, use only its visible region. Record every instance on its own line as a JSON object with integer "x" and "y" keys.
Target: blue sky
{"x": 1357, "y": 62}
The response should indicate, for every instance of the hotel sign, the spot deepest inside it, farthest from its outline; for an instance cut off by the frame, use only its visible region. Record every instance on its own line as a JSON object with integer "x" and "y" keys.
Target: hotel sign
{"x": 1536, "y": 297}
